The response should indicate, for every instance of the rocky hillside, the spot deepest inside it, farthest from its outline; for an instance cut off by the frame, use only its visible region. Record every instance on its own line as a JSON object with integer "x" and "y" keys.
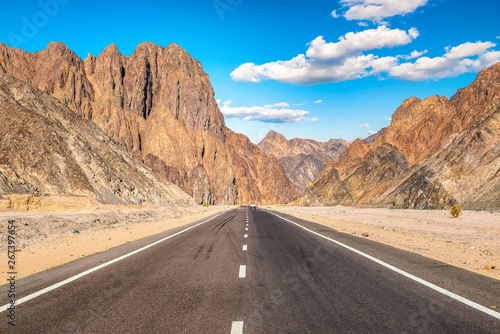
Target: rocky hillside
{"x": 259, "y": 177}
{"x": 444, "y": 151}
{"x": 302, "y": 159}
{"x": 45, "y": 148}
{"x": 159, "y": 104}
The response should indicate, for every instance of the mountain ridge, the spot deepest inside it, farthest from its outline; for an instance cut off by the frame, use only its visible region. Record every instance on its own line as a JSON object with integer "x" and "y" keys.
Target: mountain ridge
{"x": 452, "y": 148}
{"x": 302, "y": 159}
{"x": 47, "y": 149}
{"x": 159, "y": 104}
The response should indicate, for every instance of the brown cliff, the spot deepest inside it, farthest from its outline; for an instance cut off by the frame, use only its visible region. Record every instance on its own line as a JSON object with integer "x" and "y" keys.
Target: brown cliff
{"x": 383, "y": 165}
{"x": 47, "y": 149}
{"x": 259, "y": 177}
{"x": 355, "y": 154}
{"x": 158, "y": 103}
{"x": 452, "y": 147}
{"x": 418, "y": 126}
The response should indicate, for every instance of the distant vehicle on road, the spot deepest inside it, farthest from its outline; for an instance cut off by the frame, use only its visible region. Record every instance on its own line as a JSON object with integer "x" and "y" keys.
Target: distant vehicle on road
{"x": 253, "y": 204}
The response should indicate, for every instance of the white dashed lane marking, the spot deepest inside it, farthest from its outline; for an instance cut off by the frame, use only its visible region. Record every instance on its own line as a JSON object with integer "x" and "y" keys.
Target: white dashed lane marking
{"x": 244, "y": 247}
{"x": 237, "y": 327}
{"x": 91, "y": 270}
{"x": 243, "y": 271}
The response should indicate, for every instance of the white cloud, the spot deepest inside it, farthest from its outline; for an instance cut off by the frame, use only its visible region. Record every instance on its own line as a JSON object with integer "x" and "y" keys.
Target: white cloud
{"x": 277, "y": 105}
{"x": 332, "y": 62}
{"x": 334, "y": 14}
{"x": 268, "y": 113}
{"x": 300, "y": 104}
{"x": 415, "y": 54}
{"x": 352, "y": 43}
{"x": 362, "y": 24}
{"x": 468, "y": 50}
{"x": 300, "y": 70}
{"x": 377, "y": 10}
{"x": 467, "y": 57}
{"x": 218, "y": 101}
{"x": 227, "y": 103}
{"x": 364, "y": 125}
{"x": 346, "y": 60}
{"x": 318, "y": 101}
{"x": 372, "y": 132}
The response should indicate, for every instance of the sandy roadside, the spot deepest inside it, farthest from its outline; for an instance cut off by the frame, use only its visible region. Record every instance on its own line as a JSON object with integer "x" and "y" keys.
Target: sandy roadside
{"x": 471, "y": 241}
{"x": 50, "y": 238}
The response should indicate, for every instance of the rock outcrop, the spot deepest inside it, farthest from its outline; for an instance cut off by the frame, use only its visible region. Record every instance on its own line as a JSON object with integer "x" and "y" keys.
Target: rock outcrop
{"x": 302, "y": 159}
{"x": 258, "y": 177}
{"x": 376, "y": 172}
{"x": 418, "y": 126}
{"x": 452, "y": 148}
{"x": 371, "y": 138}
{"x": 45, "y": 148}
{"x": 465, "y": 168}
{"x": 277, "y": 145}
{"x": 158, "y": 103}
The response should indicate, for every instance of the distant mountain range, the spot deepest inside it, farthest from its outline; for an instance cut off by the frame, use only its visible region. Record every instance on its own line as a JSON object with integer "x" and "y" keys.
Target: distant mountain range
{"x": 302, "y": 159}
{"x": 146, "y": 128}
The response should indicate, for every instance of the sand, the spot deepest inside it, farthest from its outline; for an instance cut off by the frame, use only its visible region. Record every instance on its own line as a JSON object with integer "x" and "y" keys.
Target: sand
{"x": 471, "y": 241}
{"x": 51, "y": 238}
{"x": 46, "y": 239}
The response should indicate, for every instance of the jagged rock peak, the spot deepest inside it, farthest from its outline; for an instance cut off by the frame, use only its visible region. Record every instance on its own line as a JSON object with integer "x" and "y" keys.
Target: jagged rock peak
{"x": 275, "y": 136}
{"x": 112, "y": 48}
{"x": 57, "y": 46}
{"x": 147, "y": 48}
{"x": 176, "y": 48}
{"x": 413, "y": 108}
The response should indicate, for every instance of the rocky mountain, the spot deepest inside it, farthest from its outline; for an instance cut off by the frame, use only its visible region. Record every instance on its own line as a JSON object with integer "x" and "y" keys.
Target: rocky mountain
{"x": 159, "y": 104}
{"x": 258, "y": 177}
{"x": 371, "y": 138}
{"x": 418, "y": 126}
{"x": 302, "y": 159}
{"x": 445, "y": 151}
{"x": 277, "y": 145}
{"x": 45, "y": 148}
{"x": 379, "y": 168}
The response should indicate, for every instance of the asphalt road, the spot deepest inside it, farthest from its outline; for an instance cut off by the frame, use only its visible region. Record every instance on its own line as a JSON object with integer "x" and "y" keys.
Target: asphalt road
{"x": 286, "y": 280}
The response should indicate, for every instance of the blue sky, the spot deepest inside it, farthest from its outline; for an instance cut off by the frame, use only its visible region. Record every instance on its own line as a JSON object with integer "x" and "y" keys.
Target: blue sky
{"x": 269, "y": 61}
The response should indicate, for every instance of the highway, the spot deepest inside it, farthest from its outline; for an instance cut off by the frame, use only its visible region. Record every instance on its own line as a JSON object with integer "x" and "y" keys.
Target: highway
{"x": 253, "y": 271}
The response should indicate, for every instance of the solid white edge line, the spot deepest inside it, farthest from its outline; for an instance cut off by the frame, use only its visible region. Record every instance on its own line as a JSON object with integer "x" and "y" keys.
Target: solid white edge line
{"x": 245, "y": 247}
{"x": 243, "y": 271}
{"x": 91, "y": 270}
{"x": 237, "y": 327}
{"x": 404, "y": 273}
